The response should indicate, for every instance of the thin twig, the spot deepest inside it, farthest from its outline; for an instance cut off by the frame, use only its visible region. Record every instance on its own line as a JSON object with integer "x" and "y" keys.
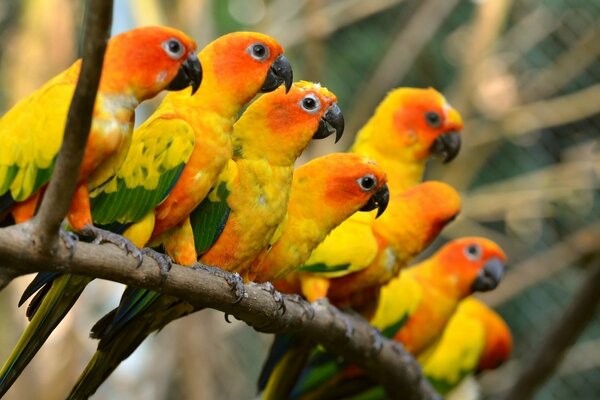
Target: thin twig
{"x": 57, "y": 199}
{"x": 391, "y": 364}
{"x": 560, "y": 338}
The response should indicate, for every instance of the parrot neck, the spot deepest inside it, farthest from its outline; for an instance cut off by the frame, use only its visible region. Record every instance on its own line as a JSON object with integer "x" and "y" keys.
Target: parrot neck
{"x": 404, "y": 169}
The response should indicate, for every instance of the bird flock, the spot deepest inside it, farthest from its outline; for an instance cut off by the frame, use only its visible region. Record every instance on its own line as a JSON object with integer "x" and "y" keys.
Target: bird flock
{"x": 208, "y": 181}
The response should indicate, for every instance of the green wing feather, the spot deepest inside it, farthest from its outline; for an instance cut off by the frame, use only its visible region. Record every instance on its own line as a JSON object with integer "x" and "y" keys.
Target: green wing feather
{"x": 158, "y": 153}
{"x": 210, "y": 217}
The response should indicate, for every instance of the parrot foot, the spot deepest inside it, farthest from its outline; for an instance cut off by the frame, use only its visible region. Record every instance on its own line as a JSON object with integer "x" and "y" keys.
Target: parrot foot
{"x": 301, "y": 301}
{"x": 70, "y": 240}
{"x": 104, "y": 236}
{"x": 234, "y": 280}
{"x": 336, "y": 313}
{"x": 269, "y": 288}
{"x": 377, "y": 341}
{"x": 164, "y": 261}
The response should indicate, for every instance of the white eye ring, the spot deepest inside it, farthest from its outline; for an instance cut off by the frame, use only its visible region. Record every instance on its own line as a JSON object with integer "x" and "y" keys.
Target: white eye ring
{"x": 174, "y": 48}
{"x": 310, "y": 103}
{"x": 258, "y": 51}
{"x": 473, "y": 252}
{"x": 367, "y": 182}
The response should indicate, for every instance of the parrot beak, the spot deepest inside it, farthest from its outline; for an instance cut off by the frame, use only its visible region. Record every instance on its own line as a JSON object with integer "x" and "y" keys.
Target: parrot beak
{"x": 379, "y": 199}
{"x": 332, "y": 122}
{"x": 489, "y": 277}
{"x": 189, "y": 74}
{"x": 447, "y": 146}
{"x": 280, "y": 72}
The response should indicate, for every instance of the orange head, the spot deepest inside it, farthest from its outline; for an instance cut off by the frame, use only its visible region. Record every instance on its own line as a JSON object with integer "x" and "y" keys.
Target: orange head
{"x": 411, "y": 124}
{"x": 475, "y": 264}
{"x": 425, "y": 210}
{"x": 144, "y": 61}
{"x": 278, "y": 126}
{"x": 341, "y": 184}
{"x": 239, "y": 65}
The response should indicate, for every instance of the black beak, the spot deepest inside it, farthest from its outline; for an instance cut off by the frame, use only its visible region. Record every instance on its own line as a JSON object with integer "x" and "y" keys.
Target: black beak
{"x": 280, "y": 72}
{"x": 332, "y": 122}
{"x": 489, "y": 277}
{"x": 189, "y": 74}
{"x": 447, "y": 146}
{"x": 379, "y": 199}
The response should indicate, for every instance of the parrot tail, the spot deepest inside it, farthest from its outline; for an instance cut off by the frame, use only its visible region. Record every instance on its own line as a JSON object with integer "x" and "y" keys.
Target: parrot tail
{"x": 57, "y": 300}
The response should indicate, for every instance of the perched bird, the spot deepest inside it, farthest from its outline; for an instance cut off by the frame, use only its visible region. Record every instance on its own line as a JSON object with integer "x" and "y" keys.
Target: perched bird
{"x": 408, "y": 126}
{"x": 413, "y": 309}
{"x": 325, "y": 192}
{"x": 476, "y": 339}
{"x": 413, "y": 219}
{"x": 162, "y": 154}
{"x": 137, "y": 65}
{"x": 234, "y": 222}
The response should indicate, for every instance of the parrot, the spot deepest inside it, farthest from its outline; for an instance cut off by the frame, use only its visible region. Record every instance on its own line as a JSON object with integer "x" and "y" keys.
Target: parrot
{"x": 163, "y": 155}
{"x": 322, "y": 196}
{"x": 424, "y": 211}
{"x": 475, "y": 339}
{"x": 234, "y": 222}
{"x": 138, "y": 64}
{"x": 409, "y": 125}
{"x": 413, "y": 309}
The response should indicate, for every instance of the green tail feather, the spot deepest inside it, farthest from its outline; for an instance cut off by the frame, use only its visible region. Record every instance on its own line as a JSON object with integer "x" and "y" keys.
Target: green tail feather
{"x": 56, "y": 304}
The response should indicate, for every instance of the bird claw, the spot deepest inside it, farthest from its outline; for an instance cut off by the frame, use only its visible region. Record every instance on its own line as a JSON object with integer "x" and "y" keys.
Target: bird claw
{"x": 234, "y": 280}
{"x": 377, "y": 341}
{"x": 307, "y": 309}
{"x": 103, "y": 236}
{"x": 70, "y": 240}
{"x": 164, "y": 261}
{"x": 277, "y": 297}
{"x": 349, "y": 327}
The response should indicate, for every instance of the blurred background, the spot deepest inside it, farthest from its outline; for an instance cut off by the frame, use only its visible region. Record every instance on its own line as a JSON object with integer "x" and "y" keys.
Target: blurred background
{"x": 524, "y": 74}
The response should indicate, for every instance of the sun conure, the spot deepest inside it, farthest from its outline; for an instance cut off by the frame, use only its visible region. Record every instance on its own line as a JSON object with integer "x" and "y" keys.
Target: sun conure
{"x": 235, "y": 221}
{"x": 162, "y": 154}
{"x": 407, "y": 128}
{"x": 325, "y": 191}
{"x": 414, "y": 309}
{"x": 412, "y": 220}
{"x": 138, "y": 64}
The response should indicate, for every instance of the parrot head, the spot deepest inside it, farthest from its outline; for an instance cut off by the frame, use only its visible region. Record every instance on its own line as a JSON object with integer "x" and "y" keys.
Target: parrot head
{"x": 239, "y": 65}
{"x": 145, "y": 61}
{"x": 429, "y": 207}
{"x": 344, "y": 183}
{"x": 280, "y": 126}
{"x": 412, "y": 124}
{"x": 476, "y": 264}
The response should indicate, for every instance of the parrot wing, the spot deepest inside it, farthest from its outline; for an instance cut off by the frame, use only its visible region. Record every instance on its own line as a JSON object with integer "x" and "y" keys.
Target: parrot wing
{"x": 209, "y": 218}
{"x": 158, "y": 153}
{"x": 349, "y": 248}
{"x": 30, "y": 145}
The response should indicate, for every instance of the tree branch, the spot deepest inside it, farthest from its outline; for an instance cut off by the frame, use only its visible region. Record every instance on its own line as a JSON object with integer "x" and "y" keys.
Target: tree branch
{"x": 390, "y": 364}
{"x": 57, "y": 198}
{"x": 560, "y": 338}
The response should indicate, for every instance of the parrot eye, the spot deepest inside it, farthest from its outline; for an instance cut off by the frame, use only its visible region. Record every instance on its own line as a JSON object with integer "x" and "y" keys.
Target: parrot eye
{"x": 310, "y": 103}
{"x": 258, "y": 51}
{"x": 173, "y": 48}
{"x": 433, "y": 119}
{"x": 367, "y": 182}
{"x": 473, "y": 252}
